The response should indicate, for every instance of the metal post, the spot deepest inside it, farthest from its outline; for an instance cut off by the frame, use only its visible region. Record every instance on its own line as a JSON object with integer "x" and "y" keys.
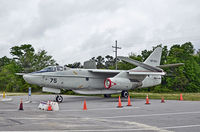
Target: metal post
{"x": 29, "y": 94}
{"x": 115, "y": 47}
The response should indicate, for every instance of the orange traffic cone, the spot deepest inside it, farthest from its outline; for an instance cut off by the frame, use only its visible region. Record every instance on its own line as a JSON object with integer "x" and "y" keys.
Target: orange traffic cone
{"x": 162, "y": 100}
{"x": 49, "y": 106}
{"x": 129, "y": 101}
{"x": 119, "y": 104}
{"x": 147, "y": 100}
{"x": 181, "y": 97}
{"x": 84, "y": 105}
{"x": 21, "y": 105}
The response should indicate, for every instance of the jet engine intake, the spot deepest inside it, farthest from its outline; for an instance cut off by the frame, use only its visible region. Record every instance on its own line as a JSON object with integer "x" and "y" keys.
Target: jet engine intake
{"x": 118, "y": 83}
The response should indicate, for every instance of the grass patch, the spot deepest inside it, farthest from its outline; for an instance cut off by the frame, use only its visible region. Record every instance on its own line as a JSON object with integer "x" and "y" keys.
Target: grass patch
{"x": 22, "y": 94}
{"x": 167, "y": 96}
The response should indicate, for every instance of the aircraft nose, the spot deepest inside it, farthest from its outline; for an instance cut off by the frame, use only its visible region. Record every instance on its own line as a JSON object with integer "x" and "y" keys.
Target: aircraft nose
{"x": 27, "y": 78}
{"x": 32, "y": 79}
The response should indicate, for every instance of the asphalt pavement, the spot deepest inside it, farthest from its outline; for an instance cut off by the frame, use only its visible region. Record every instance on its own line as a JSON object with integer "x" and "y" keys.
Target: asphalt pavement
{"x": 102, "y": 115}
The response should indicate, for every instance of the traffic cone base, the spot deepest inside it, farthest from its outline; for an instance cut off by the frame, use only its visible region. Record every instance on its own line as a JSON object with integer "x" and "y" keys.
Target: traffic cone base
{"x": 129, "y": 101}
{"x": 84, "y": 105}
{"x": 119, "y": 106}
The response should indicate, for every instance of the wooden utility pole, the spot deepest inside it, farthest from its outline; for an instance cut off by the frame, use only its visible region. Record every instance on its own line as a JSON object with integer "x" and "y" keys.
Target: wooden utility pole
{"x": 115, "y": 50}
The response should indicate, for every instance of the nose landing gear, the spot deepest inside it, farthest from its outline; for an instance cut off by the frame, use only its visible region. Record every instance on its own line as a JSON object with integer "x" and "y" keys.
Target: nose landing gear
{"x": 59, "y": 98}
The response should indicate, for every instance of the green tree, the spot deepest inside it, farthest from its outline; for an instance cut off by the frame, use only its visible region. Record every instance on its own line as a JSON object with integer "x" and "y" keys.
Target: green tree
{"x": 24, "y": 60}
{"x": 42, "y": 60}
{"x": 185, "y": 78}
{"x": 24, "y": 55}
{"x": 109, "y": 61}
{"x": 8, "y": 80}
{"x": 29, "y": 60}
{"x": 100, "y": 62}
{"x": 74, "y": 65}
{"x": 5, "y": 61}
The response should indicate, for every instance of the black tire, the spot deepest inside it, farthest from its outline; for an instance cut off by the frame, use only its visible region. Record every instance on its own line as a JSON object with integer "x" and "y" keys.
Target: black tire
{"x": 59, "y": 98}
{"x": 124, "y": 94}
{"x": 107, "y": 95}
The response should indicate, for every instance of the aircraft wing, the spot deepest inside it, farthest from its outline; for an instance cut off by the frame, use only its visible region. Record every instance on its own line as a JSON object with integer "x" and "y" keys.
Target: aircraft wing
{"x": 131, "y": 72}
{"x": 104, "y": 71}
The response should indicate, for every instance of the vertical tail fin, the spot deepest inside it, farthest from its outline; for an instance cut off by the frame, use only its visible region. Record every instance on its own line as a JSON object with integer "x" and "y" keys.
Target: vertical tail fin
{"x": 154, "y": 58}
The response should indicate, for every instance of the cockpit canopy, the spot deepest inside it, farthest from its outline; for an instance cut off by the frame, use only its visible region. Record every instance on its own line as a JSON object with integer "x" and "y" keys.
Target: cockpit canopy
{"x": 54, "y": 69}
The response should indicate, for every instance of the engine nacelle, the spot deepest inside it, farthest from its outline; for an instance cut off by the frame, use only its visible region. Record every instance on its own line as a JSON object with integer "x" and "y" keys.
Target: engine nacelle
{"x": 118, "y": 83}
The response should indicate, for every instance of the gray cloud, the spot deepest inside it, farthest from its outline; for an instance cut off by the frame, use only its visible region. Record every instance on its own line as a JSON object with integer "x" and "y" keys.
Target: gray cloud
{"x": 76, "y": 30}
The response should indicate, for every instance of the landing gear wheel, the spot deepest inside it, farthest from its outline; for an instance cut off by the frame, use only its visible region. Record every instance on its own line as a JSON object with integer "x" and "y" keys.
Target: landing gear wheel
{"x": 124, "y": 94}
{"x": 59, "y": 98}
{"x": 107, "y": 95}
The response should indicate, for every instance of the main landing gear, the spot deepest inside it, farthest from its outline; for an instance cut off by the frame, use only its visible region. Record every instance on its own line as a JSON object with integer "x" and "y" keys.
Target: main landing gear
{"x": 59, "y": 98}
{"x": 124, "y": 93}
{"x": 107, "y": 95}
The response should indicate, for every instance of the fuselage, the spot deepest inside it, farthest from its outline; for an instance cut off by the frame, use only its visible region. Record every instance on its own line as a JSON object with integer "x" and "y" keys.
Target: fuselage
{"x": 84, "y": 79}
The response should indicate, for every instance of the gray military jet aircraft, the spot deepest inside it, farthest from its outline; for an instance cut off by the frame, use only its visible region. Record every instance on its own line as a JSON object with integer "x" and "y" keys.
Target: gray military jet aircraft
{"x": 100, "y": 81}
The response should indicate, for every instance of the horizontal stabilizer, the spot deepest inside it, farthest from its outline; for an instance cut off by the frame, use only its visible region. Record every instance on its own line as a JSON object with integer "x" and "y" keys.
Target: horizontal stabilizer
{"x": 145, "y": 73}
{"x": 171, "y": 65}
{"x": 141, "y": 64}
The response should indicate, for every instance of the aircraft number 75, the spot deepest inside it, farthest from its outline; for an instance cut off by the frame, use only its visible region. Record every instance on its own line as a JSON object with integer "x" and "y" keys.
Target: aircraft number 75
{"x": 53, "y": 80}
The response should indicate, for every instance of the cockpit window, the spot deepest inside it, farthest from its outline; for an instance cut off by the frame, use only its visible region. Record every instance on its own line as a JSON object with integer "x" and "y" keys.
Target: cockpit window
{"x": 59, "y": 68}
{"x": 49, "y": 69}
{"x": 53, "y": 69}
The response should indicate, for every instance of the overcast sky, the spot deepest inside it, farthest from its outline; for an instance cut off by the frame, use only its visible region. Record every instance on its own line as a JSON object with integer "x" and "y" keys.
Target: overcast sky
{"x": 77, "y": 30}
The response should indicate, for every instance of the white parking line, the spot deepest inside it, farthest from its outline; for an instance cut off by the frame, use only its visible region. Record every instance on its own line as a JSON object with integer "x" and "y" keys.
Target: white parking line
{"x": 139, "y": 126}
{"x": 8, "y": 110}
{"x": 176, "y": 127}
{"x": 116, "y": 130}
{"x": 162, "y": 114}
